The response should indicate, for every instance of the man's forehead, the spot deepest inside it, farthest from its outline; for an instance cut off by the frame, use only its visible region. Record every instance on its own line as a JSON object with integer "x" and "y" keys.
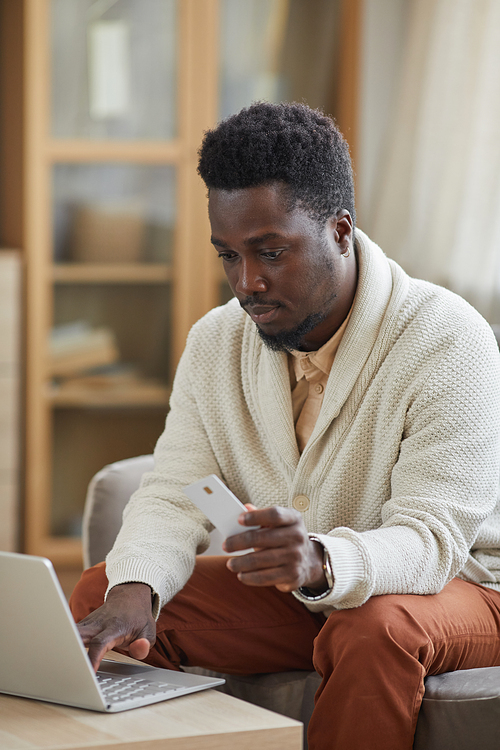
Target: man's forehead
{"x": 277, "y": 192}
{"x": 255, "y": 229}
{"x": 253, "y": 216}
{"x": 265, "y": 205}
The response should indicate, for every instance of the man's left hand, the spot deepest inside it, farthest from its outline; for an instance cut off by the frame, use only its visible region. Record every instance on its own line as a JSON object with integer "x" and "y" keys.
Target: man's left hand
{"x": 283, "y": 556}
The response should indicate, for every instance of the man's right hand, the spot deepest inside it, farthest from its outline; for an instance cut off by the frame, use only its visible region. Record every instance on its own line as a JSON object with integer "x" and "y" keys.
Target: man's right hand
{"x": 124, "y": 620}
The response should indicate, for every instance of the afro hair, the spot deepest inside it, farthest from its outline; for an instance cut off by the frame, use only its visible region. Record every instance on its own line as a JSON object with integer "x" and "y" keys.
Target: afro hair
{"x": 288, "y": 143}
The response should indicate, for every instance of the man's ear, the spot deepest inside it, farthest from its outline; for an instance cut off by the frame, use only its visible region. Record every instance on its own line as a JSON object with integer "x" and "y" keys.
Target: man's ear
{"x": 342, "y": 227}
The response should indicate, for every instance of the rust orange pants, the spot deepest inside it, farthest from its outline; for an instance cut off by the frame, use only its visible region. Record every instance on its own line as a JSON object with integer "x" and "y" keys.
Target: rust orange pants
{"x": 372, "y": 659}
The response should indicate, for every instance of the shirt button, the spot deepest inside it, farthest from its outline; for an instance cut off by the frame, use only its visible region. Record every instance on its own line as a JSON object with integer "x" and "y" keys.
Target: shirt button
{"x": 318, "y": 388}
{"x": 301, "y": 502}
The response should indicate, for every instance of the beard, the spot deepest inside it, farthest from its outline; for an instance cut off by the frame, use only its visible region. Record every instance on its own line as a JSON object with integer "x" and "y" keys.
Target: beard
{"x": 286, "y": 341}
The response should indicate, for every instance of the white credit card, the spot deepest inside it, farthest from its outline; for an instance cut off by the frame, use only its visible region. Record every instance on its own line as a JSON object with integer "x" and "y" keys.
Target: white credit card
{"x": 219, "y": 504}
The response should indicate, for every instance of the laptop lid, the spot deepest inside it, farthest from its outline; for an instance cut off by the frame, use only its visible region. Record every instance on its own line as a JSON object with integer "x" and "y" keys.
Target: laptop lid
{"x": 41, "y": 653}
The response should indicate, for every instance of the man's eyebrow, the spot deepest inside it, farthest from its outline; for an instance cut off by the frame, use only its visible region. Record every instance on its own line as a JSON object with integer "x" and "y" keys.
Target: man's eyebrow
{"x": 251, "y": 240}
{"x": 219, "y": 243}
{"x": 264, "y": 238}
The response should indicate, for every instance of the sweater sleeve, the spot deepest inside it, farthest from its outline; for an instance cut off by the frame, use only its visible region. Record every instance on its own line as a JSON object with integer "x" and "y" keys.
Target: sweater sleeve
{"x": 443, "y": 485}
{"x": 162, "y": 530}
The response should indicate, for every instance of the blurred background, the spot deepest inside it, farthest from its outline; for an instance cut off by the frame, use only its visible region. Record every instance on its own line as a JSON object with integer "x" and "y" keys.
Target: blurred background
{"x": 105, "y": 261}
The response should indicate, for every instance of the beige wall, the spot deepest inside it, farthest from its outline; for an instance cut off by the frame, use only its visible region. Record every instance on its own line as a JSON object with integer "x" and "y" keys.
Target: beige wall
{"x": 382, "y": 38}
{"x": 10, "y": 292}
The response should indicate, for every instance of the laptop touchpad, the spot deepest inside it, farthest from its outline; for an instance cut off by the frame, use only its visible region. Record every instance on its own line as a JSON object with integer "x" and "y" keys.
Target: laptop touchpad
{"x": 119, "y": 667}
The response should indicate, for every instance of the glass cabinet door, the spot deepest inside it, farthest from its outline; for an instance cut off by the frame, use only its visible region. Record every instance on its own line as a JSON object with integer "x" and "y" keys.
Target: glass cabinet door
{"x": 113, "y": 213}
{"x": 114, "y": 69}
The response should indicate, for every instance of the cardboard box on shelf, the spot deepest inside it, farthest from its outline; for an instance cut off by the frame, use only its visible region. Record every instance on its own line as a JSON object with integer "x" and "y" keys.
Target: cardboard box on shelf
{"x": 107, "y": 234}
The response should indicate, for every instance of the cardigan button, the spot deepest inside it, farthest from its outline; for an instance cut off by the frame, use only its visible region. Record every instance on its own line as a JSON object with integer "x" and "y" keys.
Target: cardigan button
{"x": 301, "y": 502}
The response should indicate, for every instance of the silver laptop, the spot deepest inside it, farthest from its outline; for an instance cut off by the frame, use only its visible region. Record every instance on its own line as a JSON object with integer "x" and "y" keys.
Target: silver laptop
{"x": 42, "y": 655}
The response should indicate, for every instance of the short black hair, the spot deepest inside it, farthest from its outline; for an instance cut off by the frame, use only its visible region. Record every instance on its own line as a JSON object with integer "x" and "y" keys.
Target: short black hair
{"x": 289, "y": 143}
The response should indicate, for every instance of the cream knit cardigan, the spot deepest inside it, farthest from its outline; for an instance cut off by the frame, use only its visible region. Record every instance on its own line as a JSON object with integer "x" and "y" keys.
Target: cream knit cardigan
{"x": 401, "y": 470}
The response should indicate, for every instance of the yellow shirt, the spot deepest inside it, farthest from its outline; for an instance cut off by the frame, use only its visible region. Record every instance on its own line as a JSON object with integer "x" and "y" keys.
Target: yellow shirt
{"x": 309, "y": 373}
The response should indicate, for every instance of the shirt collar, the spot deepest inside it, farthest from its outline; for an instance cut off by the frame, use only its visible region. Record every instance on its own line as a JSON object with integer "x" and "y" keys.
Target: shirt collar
{"x": 322, "y": 359}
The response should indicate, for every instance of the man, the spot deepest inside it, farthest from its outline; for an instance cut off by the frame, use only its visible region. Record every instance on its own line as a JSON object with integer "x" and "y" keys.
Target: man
{"x": 356, "y": 412}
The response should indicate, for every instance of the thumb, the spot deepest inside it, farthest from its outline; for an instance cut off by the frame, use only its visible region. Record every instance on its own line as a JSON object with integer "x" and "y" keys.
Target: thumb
{"x": 139, "y": 649}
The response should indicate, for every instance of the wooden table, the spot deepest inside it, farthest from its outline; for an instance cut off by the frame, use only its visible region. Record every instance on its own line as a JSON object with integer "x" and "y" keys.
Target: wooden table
{"x": 208, "y": 720}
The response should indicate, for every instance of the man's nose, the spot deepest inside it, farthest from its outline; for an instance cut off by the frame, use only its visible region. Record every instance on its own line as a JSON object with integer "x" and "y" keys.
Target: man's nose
{"x": 250, "y": 279}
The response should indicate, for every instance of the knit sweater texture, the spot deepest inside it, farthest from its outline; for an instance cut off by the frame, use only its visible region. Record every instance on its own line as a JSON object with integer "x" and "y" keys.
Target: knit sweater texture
{"x": 401, "y": 469}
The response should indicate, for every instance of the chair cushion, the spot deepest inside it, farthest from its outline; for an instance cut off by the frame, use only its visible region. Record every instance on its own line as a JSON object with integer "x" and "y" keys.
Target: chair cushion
{"x": 107, "y": 495}
{"x": 460, "y": 711}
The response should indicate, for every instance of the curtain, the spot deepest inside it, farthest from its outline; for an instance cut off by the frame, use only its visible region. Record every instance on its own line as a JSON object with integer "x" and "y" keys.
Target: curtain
{"x": 436, "y": 205}
{"x": 278, "y": 50}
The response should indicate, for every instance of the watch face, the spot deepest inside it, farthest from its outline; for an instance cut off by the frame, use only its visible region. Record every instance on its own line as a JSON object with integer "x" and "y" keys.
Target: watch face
{"x": 327, "y": 567}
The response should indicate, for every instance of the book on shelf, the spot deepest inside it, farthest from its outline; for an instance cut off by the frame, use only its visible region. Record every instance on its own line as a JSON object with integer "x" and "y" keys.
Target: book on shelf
{"x": 85, "y": 369}
{"x": 77, "y": 347}
{"x": 110, "y": 384}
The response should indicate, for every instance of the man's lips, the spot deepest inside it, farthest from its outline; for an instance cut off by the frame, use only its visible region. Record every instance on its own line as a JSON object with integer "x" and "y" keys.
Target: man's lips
{"x": 262, "y": 313}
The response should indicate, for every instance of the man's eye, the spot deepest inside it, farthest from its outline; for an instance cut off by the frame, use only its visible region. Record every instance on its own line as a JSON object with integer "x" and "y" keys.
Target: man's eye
{"x": 272, "y": 254}
{"x": 227, "y": 256}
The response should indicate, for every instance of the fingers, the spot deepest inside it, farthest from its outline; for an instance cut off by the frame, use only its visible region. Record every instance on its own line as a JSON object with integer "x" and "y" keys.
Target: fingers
{"x": 100, "y": 644}
{"x": 114, "y": 625}
{"x": 90, "y": 626}
{"x": 279, "y": 527}
{"x": 109, "y": 639}
{"x": 283, "y": 555}
{"x": 270, "y": 567}
{"x": 273, "y": 516}
{"x": 281, "y": 577}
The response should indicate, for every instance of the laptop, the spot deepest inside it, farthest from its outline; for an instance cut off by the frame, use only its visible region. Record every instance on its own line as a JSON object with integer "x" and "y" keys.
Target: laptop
{"x": 43, "y": 657}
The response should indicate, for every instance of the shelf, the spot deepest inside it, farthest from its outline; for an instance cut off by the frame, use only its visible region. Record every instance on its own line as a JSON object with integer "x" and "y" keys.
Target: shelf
{"x": 143, "y": 152}
{"x": 61, "y": 550}
{"x": 111, "y": 273}
{"x": 136, "y": 396}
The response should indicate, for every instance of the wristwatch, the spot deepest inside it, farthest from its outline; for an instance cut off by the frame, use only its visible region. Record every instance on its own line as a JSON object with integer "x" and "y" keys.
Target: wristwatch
{"x": 327, "y": 570}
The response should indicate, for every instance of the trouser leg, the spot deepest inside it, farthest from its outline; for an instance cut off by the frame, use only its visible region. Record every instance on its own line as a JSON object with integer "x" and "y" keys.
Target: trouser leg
{"x": 373, "y": 661}
{"x": 218, "y": 623}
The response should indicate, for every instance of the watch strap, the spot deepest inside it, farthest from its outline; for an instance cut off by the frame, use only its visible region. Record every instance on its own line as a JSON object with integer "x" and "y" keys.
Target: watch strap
{"x": 328, "y": 572}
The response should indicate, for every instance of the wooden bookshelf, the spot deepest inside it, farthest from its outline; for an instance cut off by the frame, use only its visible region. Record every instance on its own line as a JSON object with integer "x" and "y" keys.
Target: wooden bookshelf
{"x": 49, "y": 282}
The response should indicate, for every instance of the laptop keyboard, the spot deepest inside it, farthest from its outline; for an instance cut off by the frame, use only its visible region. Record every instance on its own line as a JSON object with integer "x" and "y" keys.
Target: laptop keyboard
{"x": 116, "y": 688}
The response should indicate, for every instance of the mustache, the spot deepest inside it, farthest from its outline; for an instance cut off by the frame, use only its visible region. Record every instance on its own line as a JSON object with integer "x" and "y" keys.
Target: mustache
{"x": 252, "y": 301}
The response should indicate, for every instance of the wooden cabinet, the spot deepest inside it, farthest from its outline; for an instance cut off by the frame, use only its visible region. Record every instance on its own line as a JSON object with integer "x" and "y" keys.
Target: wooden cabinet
{"x": 115, "y": 234}
{"x": 111, "y": 213}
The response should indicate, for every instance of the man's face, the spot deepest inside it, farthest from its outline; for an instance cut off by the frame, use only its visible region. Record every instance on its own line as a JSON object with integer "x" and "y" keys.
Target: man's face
{"x": 286, "y": 271}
